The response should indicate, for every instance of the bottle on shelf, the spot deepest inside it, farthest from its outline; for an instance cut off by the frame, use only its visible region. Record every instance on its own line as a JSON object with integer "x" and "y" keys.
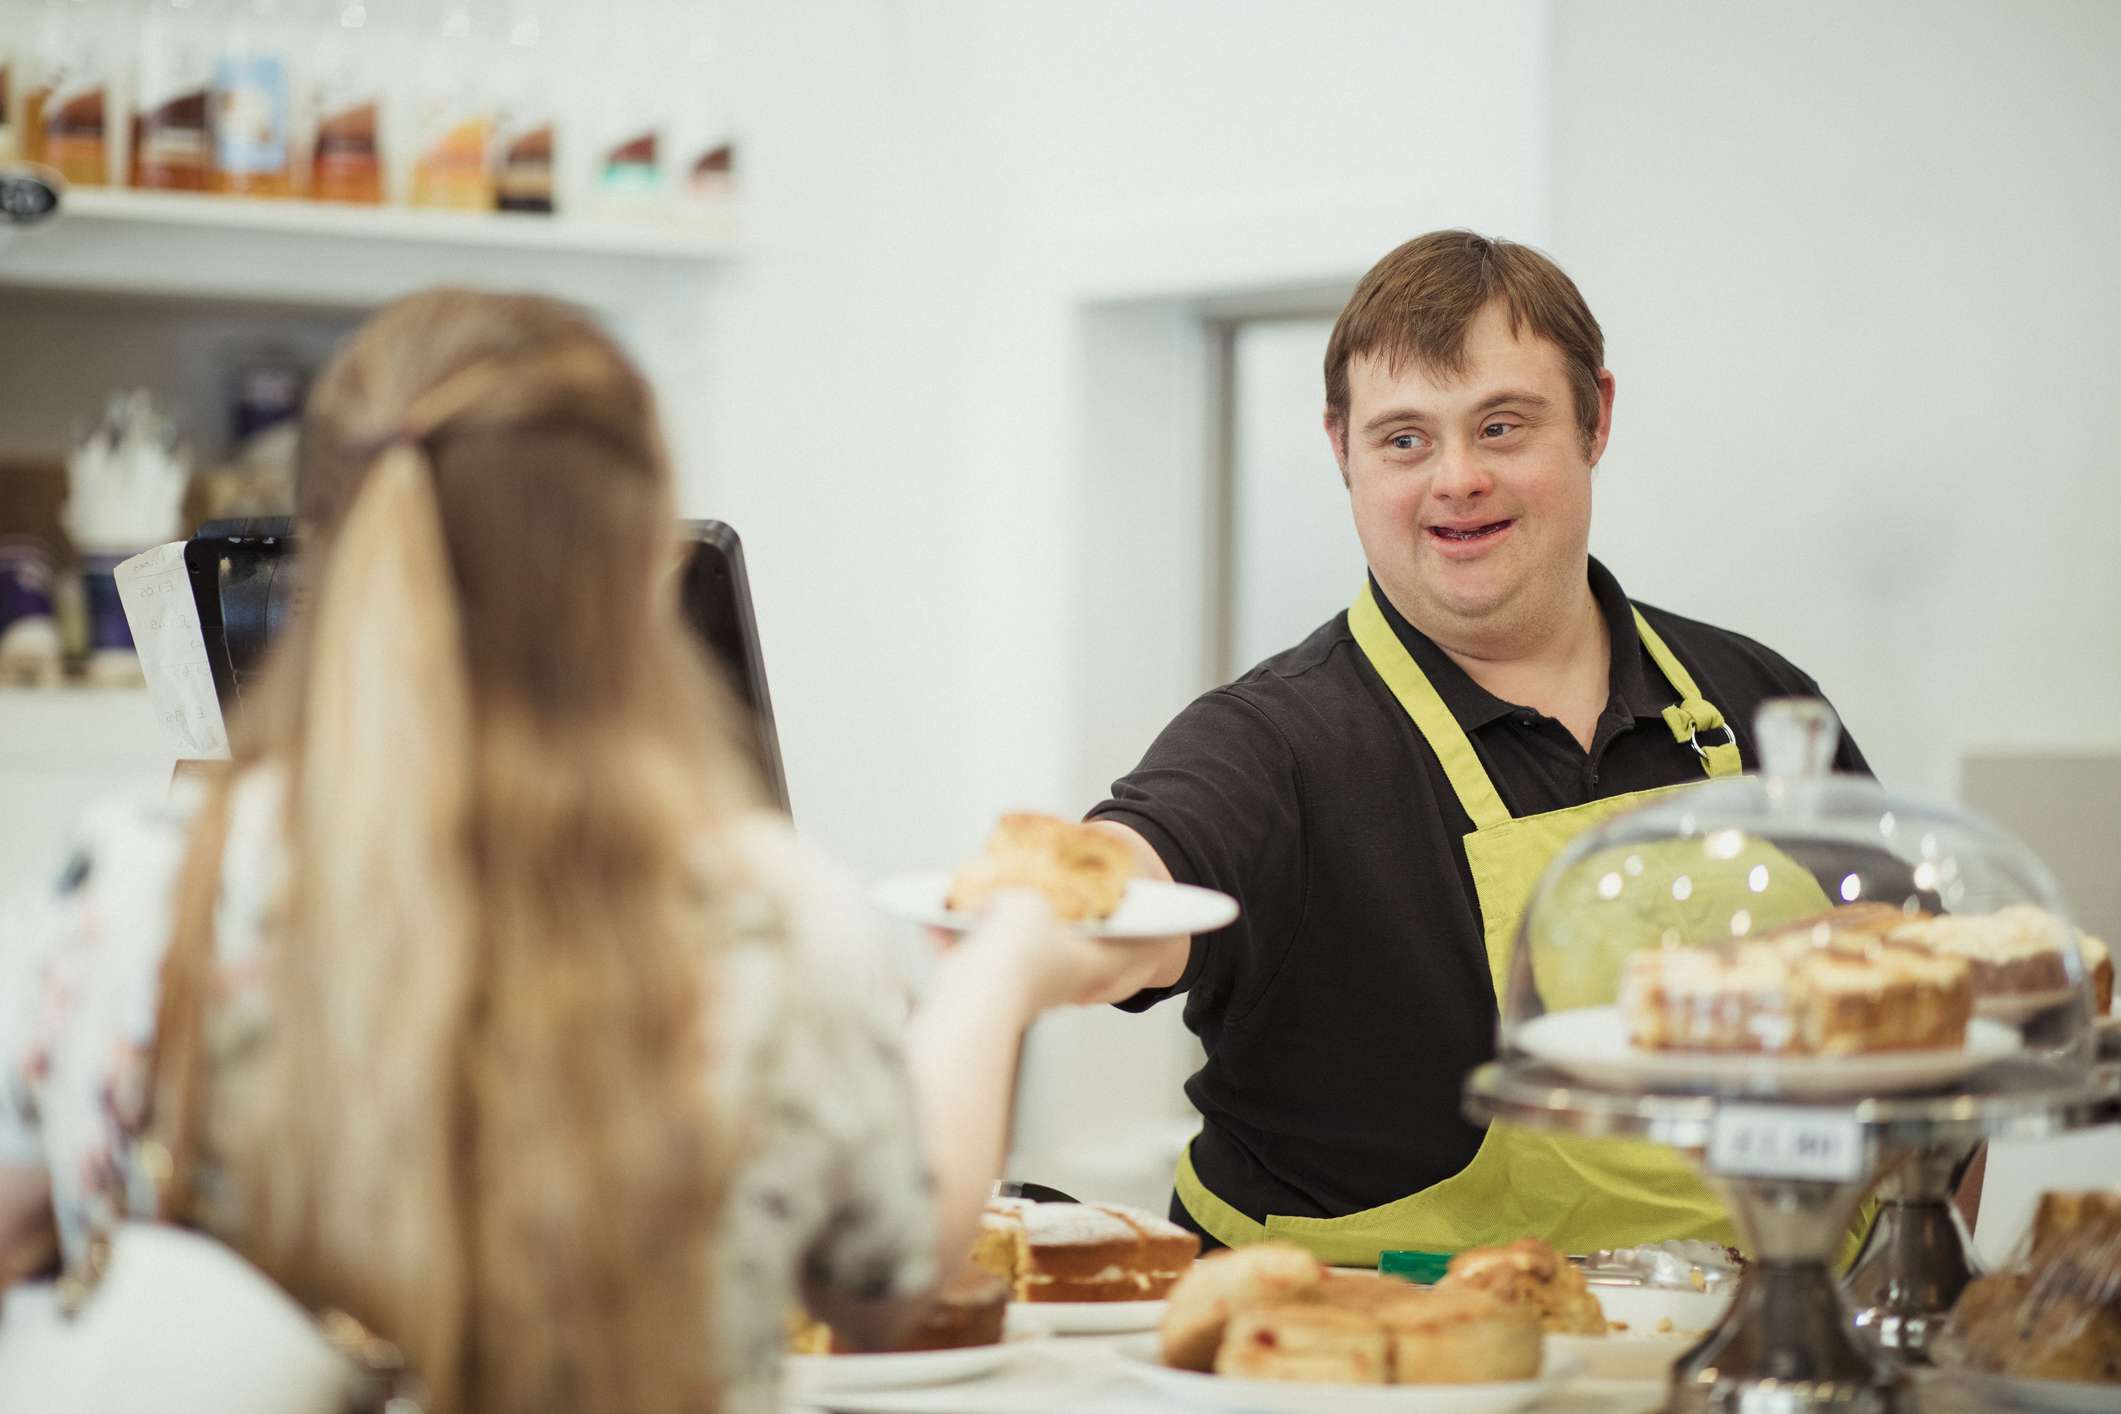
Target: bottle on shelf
{"x": 526, "y": 143}
{"x": 10, "y": 135}
{"x": 629, "y": 153}
{"x": 453, "y": 114}
{"x": 345, "y": 108}
{"x": 703, "y": 148}
{"x": 172, "y": 78}
{"x": 66, "y": 112}
{"x": 252, "y": 102}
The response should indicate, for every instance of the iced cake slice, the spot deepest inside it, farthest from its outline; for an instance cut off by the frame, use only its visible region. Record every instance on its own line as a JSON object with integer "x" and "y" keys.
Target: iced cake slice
{"x": 1810, "y": 989}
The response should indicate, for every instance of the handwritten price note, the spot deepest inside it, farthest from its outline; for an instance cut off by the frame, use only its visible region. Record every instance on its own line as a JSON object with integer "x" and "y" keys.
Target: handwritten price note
{"x": 165, "y": 623}
{"x": 1783, "y": 1141}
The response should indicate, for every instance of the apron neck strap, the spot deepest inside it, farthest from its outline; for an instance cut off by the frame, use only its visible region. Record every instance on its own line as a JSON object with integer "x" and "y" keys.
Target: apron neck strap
{"x": 1693, "y": 716}
{"x": 1690, "y": 720}
{"x": 1418, "y": 696}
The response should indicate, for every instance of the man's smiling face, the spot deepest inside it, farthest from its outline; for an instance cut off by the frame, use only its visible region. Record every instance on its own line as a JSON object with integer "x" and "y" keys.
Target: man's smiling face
{"x": 1472, "y": 491}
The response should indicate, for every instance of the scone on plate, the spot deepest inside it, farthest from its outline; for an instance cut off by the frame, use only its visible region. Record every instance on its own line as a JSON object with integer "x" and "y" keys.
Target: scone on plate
{"x": 1225, "y": 1282}
{"x": 1530, "y": 1273}
{"x": 1444, "y": 1337}
{"x": 1361, "y": 1291}
{"x": 1305, "y": 1342}
{"x": 1081, "y": 871}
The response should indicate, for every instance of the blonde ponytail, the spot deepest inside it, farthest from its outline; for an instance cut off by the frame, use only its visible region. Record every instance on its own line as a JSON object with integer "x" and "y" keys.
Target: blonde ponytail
{"x": 374, "y": 1002}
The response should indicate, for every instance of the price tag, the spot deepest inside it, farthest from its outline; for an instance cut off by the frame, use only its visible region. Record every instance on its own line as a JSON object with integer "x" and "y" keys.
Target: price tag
{"x": 1780, "y": 1141}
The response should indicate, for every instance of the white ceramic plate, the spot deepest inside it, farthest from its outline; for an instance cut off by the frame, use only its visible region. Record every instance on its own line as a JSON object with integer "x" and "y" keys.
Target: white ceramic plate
{"x": 809, "y": 1376}
{"x": 1147, "y": 910}
{"x": 2050, "y": 1396}
{"x": 1644, "y": 1309}
{"x": 1220, "y": 1392}
{"x": 1662, "y": 1325}
{"x": 1591, "y": 1043}
{"x": 1083, "y": 1317}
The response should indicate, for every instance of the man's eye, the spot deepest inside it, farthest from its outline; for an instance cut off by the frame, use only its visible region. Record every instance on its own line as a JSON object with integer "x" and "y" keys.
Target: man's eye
{"x": 1407, "y": 441}
{"x": 1498, "y": 429}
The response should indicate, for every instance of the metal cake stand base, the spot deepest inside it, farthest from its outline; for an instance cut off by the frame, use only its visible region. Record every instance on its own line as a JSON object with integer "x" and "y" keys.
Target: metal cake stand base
{"x": 1914, "y": 1266}
{"x": 1794, "y": 1176}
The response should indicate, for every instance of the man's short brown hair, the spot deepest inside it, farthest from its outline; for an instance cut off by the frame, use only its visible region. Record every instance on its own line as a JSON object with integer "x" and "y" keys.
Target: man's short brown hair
{"x": 1418, "y": 302}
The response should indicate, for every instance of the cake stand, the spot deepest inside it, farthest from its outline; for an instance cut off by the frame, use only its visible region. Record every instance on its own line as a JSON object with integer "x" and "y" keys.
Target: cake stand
{"x": 1794, "y": 1174}
{"x": 1914, "y": 1264}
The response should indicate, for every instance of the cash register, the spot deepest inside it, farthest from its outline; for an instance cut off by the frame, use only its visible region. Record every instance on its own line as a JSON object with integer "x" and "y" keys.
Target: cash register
{"x": 245, "y": 574}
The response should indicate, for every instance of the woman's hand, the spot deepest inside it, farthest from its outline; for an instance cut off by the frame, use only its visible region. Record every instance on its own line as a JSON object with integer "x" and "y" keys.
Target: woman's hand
{"x": 1042, "y": 962}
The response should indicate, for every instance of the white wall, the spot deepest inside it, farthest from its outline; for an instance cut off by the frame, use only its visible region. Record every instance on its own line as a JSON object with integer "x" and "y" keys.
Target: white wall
{"x": 1296, "y": 559}
{"x": 977, "y": 547}
{"x": 1855, "y": 267}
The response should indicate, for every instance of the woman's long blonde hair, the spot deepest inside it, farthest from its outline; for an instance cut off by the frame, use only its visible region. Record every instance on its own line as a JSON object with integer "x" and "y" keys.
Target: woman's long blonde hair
{"x": 482, "y": 1124}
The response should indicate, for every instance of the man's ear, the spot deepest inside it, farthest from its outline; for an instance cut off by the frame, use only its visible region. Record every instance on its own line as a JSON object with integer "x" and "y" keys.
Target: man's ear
{"x": 1337, "y": 435}
{"x": 1604, "y": 434}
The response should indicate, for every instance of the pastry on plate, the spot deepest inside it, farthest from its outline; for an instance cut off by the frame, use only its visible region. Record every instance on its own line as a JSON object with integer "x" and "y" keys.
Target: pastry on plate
{"x": 1530, "y": 1273}
{"x": 2057, "y": 1314}
{"x": 1227, "y": 1281}
{"x": 1305, "y": 1342}
{"x": 1466, "y": 1336}
{"x": 1082, "y": 871}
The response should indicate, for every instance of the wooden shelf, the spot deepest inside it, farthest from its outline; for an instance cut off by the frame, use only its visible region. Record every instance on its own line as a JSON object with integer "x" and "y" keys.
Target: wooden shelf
{"x": 173, "y": 244}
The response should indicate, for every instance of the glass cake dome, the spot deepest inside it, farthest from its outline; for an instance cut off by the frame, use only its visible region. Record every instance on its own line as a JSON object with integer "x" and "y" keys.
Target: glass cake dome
{"x": 1799, "y": 934}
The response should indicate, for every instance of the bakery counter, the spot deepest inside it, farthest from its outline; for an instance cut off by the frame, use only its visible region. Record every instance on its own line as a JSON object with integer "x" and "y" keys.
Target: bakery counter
{"x": 1092, "y": 1375}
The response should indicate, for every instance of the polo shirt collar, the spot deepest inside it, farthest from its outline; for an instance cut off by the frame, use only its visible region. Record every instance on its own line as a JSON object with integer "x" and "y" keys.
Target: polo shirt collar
{"x": 1630, "y": 688}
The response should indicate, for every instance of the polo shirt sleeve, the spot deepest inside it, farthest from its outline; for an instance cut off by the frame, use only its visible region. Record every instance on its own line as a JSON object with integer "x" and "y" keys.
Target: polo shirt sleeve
{"x": 1219, "y": 797}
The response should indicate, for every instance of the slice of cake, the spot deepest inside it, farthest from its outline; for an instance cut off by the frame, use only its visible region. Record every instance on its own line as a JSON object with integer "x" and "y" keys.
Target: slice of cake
{"x": 2014, "y": 952}
{"x": 1814, "y": 988}
{"x": 1305, "y": 1342}
{"x": 1081, "y": 1251}
{"x": 1081, "y": 871}
{"x": 1530, "y": 1273}
{"x": 967, "y": 1311}
{"x": 2058, "y": 1317}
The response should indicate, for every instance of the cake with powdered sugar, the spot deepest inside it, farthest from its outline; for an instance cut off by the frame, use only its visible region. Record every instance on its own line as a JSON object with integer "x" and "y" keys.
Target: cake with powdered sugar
{"x": 1081, "y": 1251}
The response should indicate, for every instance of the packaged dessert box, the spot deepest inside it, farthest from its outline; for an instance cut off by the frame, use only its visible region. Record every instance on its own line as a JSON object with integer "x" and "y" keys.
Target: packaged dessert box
{"x": 2049, "y": 1323}
{"x": 1796, "y": 933}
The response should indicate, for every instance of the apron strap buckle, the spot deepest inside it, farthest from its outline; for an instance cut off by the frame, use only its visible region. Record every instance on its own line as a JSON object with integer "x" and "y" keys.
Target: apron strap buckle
{"x": 1729, "y": 742}
{"x": 1692, "y": 717}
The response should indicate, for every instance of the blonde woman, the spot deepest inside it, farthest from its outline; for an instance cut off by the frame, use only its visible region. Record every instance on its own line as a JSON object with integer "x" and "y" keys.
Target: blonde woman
{"x": 479, "y": 1002}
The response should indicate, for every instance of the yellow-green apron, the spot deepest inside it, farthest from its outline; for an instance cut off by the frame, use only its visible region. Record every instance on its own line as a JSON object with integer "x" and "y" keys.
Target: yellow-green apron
{"x": 1578, "y": 1194}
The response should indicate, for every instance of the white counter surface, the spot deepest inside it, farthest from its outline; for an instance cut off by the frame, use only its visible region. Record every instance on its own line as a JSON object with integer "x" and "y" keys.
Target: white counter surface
{"x": 1086, "y": 1375}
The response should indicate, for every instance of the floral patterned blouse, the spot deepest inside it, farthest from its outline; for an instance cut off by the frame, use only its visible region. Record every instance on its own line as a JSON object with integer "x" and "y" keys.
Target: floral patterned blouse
{"x": 810, "y": 1028}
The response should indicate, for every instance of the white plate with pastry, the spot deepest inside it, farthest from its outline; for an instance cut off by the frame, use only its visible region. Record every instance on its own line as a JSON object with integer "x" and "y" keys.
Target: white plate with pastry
{"x": 1084, "y": 873}
{"x": 1649, "y": 1329}
{"x": 1082, "y": 1317}
{"x": 1660, "y": 1311}
{"x": 1146, "y": 909}
{"x": 809, "y": 1376}
{"x": 1228, "y": 1392}
{"x": 1591, "y": 1044}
